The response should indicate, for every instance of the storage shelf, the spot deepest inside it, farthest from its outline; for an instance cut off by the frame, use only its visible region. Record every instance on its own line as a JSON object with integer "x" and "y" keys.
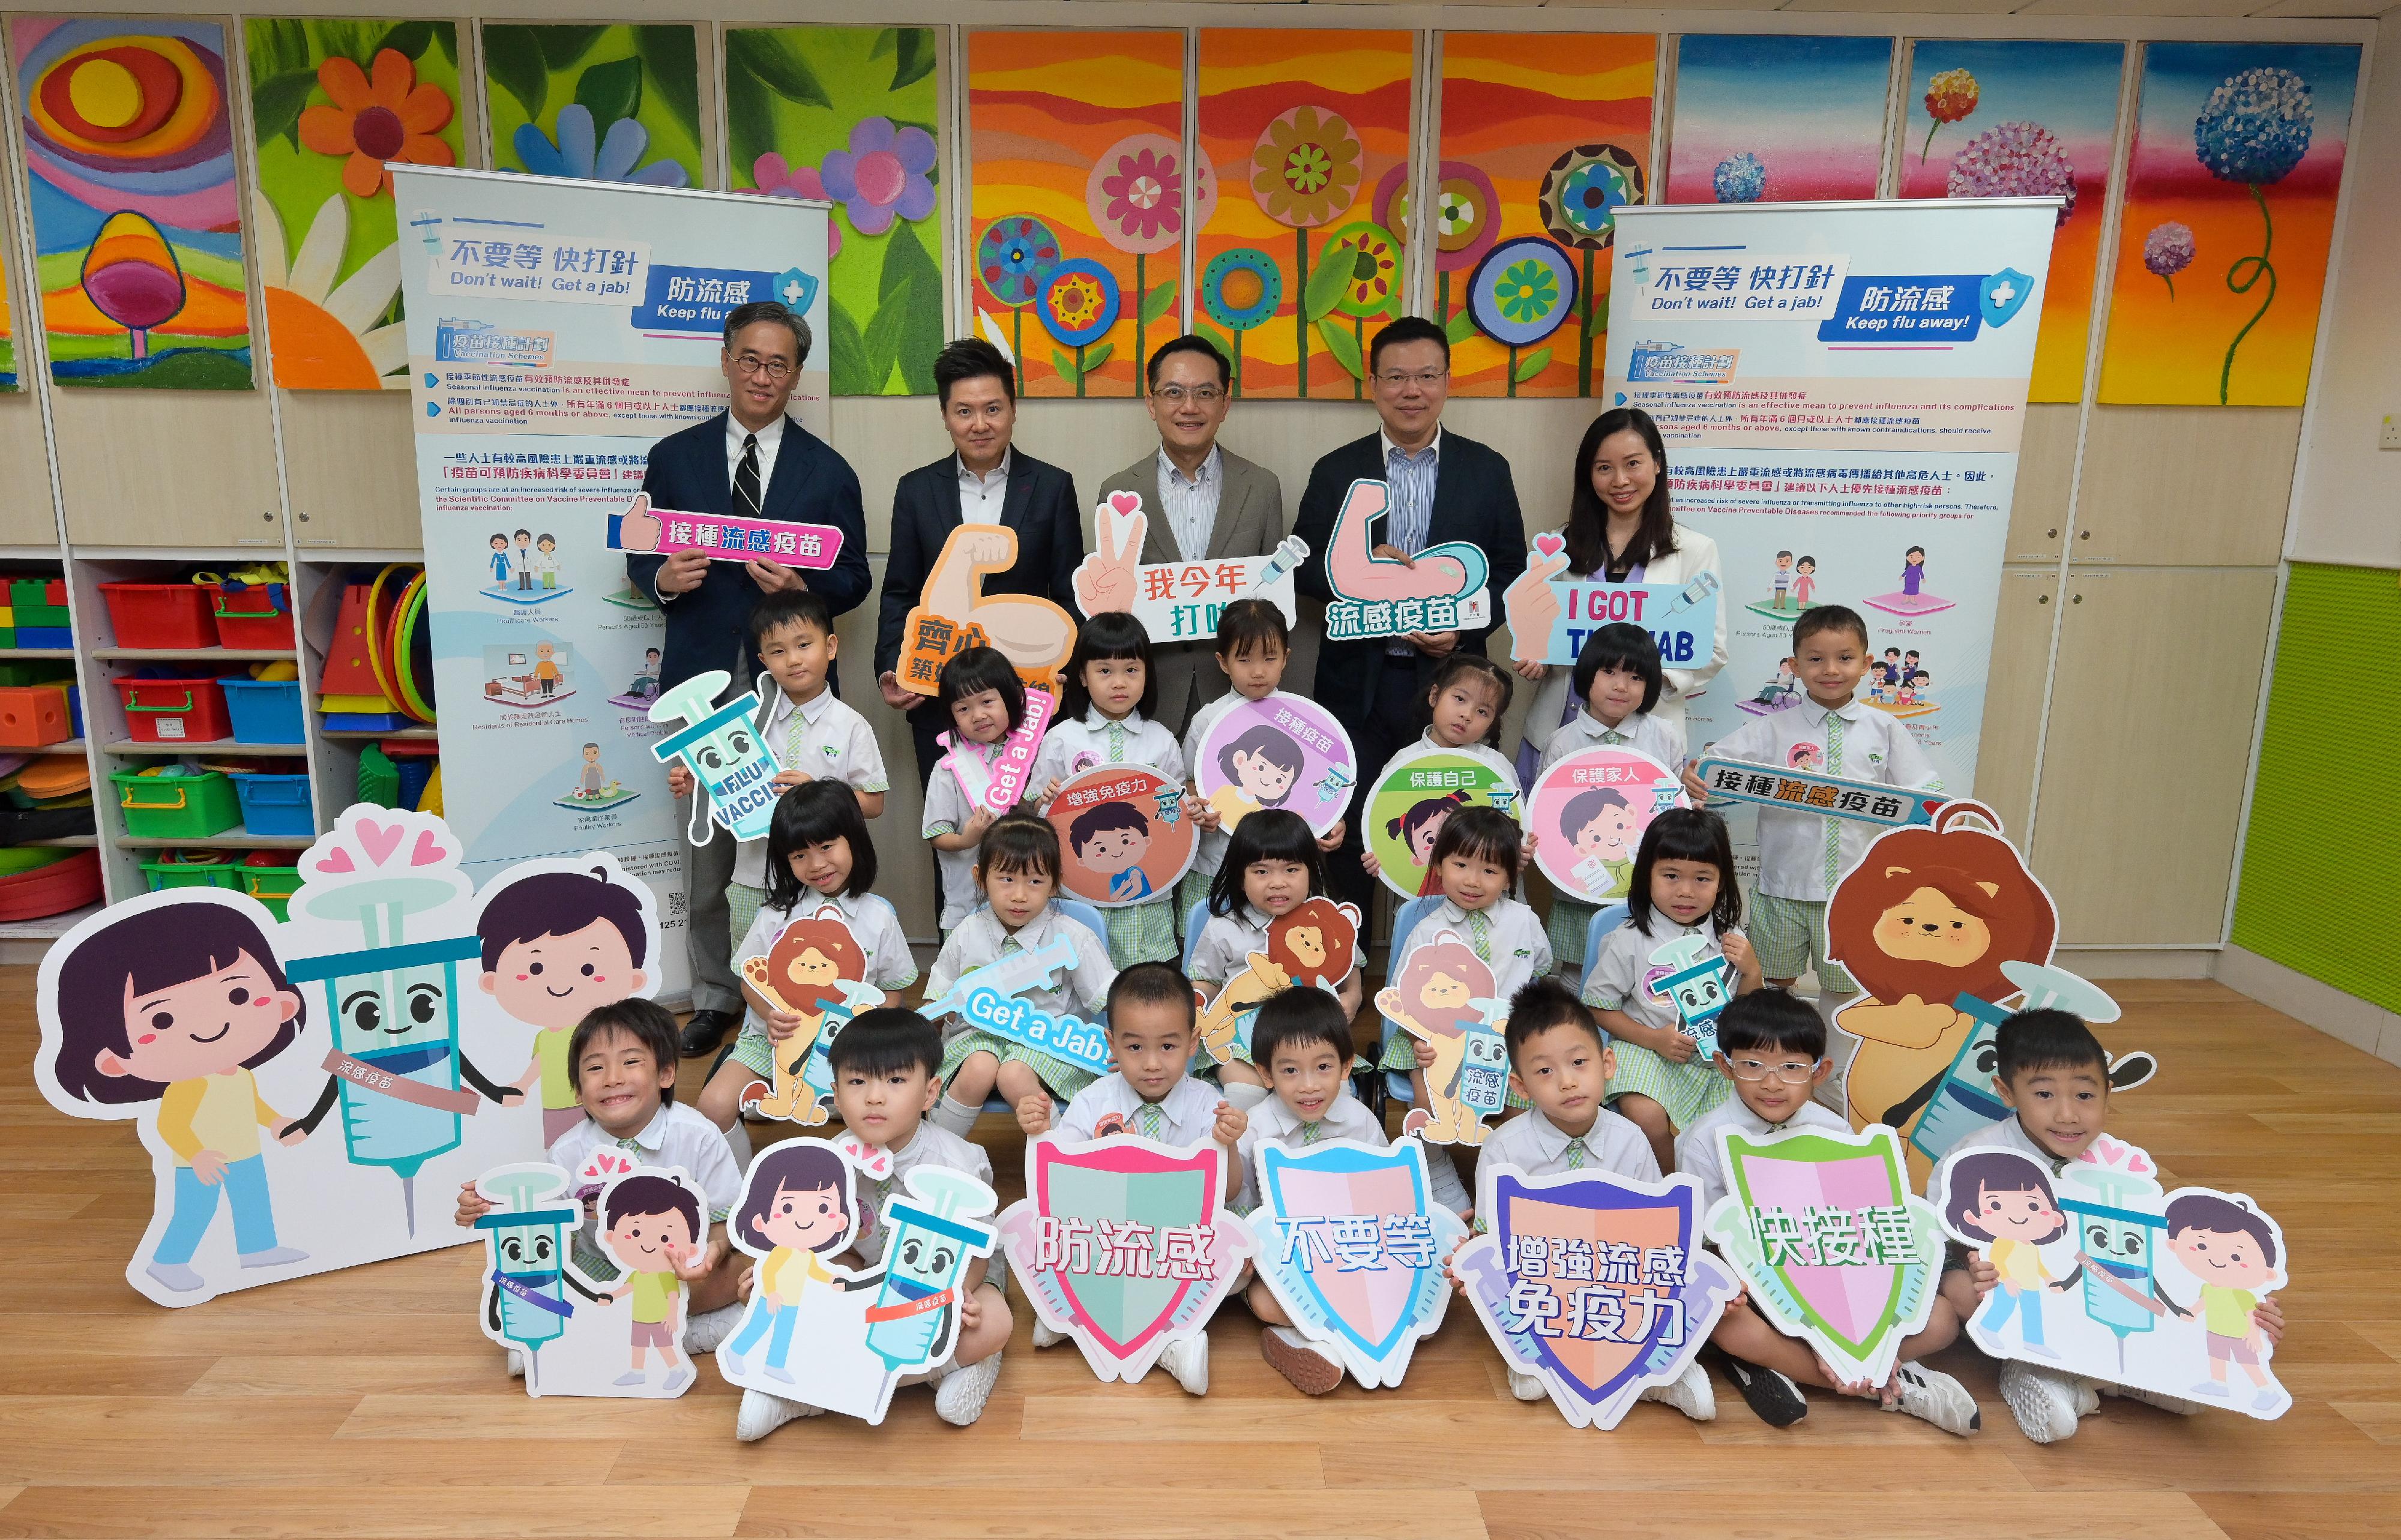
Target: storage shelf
{"x": 218, "y": 746}
{"x": 49, "y": 927}
{"x": 37, "y": 653}
{"x": 231, "y": 839}
{"x": 64, "y": 746}
{"x": 421, "y": 733}
{"x": 64, "y": 841}
{"x": 173, "y": 654}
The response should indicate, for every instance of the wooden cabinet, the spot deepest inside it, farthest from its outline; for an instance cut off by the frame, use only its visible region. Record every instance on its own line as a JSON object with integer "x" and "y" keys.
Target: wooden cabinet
{"x": 180, "y": 469}
{"x": 2046, "y": 482}
{"x": 349, "y": 460}
{"x": 2014, "y": 693}
{"x": 2186, "y": 485}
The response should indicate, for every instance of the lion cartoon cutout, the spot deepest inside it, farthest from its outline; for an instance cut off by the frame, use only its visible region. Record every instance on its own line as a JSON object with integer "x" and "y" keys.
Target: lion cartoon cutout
{"x": 1315, "y": 943}
{"x": 1443, "y": 998}
{"x": 1945, "y": 929}
{"x": 817, "y": 971}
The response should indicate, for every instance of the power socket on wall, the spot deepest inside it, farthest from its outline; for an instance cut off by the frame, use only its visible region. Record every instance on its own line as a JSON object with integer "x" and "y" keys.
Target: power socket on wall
{"x": 2390, "y": 437}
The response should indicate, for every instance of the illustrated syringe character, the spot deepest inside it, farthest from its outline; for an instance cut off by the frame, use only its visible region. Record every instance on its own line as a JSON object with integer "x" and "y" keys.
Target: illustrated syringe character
{"x": 817, "y": 1071}
{"x": 723, "y": 749}
{"x": 1697, "y": 985}
{"x": 2117, "y": 1230}
{"x": 1010, "y": 976}
{"x": 394, "y": 1008}
{"x": 1968, "y": 1098}
{"x": 934, "y": 1235}
{"x": 528, "y": 1302}
{"x": 1484, "y": 1068}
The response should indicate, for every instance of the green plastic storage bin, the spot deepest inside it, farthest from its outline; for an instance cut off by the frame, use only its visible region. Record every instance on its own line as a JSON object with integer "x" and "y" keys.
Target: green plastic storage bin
{"x": 177, "y": 807}
{"x": 272, "y": 886}
{"x": 167, "y": 872}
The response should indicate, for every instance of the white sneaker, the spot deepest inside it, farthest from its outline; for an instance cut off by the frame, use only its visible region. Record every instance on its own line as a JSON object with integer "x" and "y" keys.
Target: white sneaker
{"x": 1931, "y": 1396}
{"x": 960, "y": 1399}
{"x": 516, "y": 1363}
{"x": 1044, "y": 1336}
{"x": 704, "y": 1331}
{"x": 1688, "y": 1393}
{"x": 2148, "y": 1397}
{"x": 1188, "y": 1361}
{"x": 1527, "y": 1388}
{"x": 1312, "y": 1370}
{"x": 2043, "y": 1402}
{"x": 763, "y": 1415}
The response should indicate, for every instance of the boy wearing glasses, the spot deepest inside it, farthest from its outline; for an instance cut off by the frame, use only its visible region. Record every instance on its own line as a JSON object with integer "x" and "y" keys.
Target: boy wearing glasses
{"x": 1772, "y": 1045}
{"x": 1206, "y": 504}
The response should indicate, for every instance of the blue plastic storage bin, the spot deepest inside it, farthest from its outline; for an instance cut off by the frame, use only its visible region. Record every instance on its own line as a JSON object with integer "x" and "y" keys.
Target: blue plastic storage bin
{"x": 263, "y": 711}
{"x": 275, "y": 804}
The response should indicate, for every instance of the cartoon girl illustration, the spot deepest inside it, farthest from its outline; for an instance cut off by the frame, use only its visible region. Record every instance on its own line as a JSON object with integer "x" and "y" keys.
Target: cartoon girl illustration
{"x": 1418, "y": 827}
{"x": 796, "y": 1207}
{"x": 1432, "y": 1002}
{"x": 175, "y": 1004}
{"x": 1913, "y": 570}
{"x": 2005, "y": 1198}
{"x": 1804, "y": 581}
{"x": 1265, "y": 766}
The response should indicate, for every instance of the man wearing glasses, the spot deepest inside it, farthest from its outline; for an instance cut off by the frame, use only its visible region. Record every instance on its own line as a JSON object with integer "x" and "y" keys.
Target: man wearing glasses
{"x": 1443, "y": 487}
{"x": 1204, "y": 504}
{"x": 751, "y": 461}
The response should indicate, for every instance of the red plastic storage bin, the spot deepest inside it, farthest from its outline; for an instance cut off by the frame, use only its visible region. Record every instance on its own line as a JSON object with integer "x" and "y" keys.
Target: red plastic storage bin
{"x": 54, "y": 889}
{"x": 259, "y": 616}
{"x": 32, "y": 716}
{"x": 162, "y": 615}
{"x": 174, "y": 711}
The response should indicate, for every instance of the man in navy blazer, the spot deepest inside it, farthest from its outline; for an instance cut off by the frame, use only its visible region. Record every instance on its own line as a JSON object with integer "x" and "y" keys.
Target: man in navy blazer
{"x": 986, "y": 480}
{"x": 754, "y": 461}
{"x": 1444, "y": 488}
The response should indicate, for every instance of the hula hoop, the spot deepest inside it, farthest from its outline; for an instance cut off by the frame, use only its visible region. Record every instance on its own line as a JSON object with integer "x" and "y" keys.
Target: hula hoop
{"x": 408, "y": 621}
{"x": 375, "y": 635}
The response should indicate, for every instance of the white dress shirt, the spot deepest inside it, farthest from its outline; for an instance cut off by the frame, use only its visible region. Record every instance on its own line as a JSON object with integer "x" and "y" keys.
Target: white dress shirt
{"x": 930, "y": 1146}
{"x": 1643, "y": 732}
{"x": 1082, "y": 990}
{"x": 675, "y": 1136}
{"x": 1696, "y": 1147}
{"x": 829, "y": 739}
{"x": 1620, "y": 976}
{"x": 1188, "y": 1112}
{"x": 771, "y": 438}
{"x": 982, "y": 497}
{"x": 1538, "y": 1148}
{"x": 1802, "y": 854}
{"x": 1189, "y": 503}
{"x": 1273, "y": 1123}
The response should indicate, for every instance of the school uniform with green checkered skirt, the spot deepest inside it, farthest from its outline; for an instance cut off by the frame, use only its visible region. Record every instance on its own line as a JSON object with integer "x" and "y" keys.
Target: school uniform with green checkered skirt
{"x": 1571, "y": 919}
{"x": 890, "y": 965}
{"x": 1082, "y": 990}
{"x": 1508, "y": 937}
{"x": 1803, "y": 856}
{"x": 824, "y": 738}
{"x": 1621, "y": 977}
{"x": 1138, "y": 933}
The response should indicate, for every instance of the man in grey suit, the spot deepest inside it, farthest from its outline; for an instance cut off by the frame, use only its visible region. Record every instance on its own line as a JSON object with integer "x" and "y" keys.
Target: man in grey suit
{"x": 1204, "y": 502}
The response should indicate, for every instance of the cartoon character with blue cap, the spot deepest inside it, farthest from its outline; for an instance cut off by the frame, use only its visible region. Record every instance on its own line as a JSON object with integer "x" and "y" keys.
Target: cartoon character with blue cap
{"x": 525, "y": 1295}
{"x": 721, "y": 747}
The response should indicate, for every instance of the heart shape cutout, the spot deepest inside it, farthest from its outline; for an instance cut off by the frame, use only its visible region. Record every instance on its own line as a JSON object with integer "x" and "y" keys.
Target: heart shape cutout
{"x": 379, "y": 839}
{"x": 336, "y": 860}
{"x": 428, "y": 851}
{"x": 1126, "y": 502}
{"x": 1550, "y": 545}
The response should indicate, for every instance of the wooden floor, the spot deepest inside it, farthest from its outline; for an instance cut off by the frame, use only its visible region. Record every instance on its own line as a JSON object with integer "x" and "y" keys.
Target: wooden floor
{"x": 365, "y": 1403}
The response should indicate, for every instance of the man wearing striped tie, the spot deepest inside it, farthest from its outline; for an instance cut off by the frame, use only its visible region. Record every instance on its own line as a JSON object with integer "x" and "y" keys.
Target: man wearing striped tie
{"x": 751, "y": 461}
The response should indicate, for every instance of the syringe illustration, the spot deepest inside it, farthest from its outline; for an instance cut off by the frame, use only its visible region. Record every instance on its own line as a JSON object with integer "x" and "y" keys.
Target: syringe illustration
{"x": 1289, "y": 553}
{"x": 1704, "y": 583}
{"x": 913, "y": 1324}
{"x": 1010, "y": 976}
{"x": 2118, "y": 1228}
{"x": 527, "y": 1301}
{"x": 721, "y": 748}
{"x": 1697, "y": 985}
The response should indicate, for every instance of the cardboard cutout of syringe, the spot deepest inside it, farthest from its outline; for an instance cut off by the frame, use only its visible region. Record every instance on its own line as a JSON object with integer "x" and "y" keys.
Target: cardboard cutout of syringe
{"x": 331, "y": 1079}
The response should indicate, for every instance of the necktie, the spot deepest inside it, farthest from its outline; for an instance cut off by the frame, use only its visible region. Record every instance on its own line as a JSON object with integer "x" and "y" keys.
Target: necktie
{"x": 1117, "y": 742}
{"x": 627, "y": 1144}
{"x": 747, "y": 502}
{"x": 1309, "y": 1131}
{"x": 1833, "y": 827}
{"x": 1479, "y": 934}
{"x": 1576, "y": 1154}
{"x": 1151, "y": 1120}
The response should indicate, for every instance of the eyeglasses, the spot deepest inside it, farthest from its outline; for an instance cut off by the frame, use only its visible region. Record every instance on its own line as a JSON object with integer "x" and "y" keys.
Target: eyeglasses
{"x": 751, "y": 363}
{"x": 1200, "y": 395}
{"x": 1791, "y": 1072}
{"x": 1424, "y": 379}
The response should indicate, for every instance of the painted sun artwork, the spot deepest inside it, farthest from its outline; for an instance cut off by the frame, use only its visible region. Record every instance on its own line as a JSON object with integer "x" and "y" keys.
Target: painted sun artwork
{"x": 137, "y": 220}
{"x": 1777, "y": 119}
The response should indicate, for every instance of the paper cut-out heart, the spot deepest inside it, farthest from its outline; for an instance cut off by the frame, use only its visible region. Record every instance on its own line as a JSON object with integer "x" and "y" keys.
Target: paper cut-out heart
{"x": 428, "y": 852}
{"x": 1126, "y": 502}
{"x": 1550, "y": 545}
{"x": 379, "y": 839}
{"x": 336, "y": 860}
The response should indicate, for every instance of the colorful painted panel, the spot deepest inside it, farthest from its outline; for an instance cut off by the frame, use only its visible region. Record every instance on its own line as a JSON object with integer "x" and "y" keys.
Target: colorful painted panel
{"x": 617, "y": 103}
{"x": 851, "y": 114}
{"x": 1302, "y": 260}
{"x": 137, "y": 223}
{"x": 2230, "y": 215}
{"x": 1543, "y": 136}
{"x": 1777, "y": 119}
{"x": 1080, "y": 202}
{"x": 333, "y": 101}
{"x": 2022, "y": 119}
{"x": 7, "y": 336}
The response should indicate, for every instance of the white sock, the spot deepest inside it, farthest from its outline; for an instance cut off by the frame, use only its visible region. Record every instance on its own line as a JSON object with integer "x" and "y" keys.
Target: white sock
{"x": 738, "y": 1138}
{"x": 1442, "y": 1178}
{"x": 956, "y": 1116}
{"x": 1244, "y": 1096}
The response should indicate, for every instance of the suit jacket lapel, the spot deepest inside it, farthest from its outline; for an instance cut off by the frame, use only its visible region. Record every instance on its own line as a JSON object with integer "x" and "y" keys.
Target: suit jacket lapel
{"x": 784, "y": 487}
{"x": 1449, "y": 497}
{"x": 1014, "y": 502}
{"x": 714, "y": 473}
{"x": 1233, "y": 495}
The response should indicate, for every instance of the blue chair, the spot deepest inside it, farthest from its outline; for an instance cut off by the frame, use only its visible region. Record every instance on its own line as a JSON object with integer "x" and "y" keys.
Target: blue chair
{"x": 1595, "y": 934}
{"x": 1404, "y": 921}
{"x": 1193, "y": 921}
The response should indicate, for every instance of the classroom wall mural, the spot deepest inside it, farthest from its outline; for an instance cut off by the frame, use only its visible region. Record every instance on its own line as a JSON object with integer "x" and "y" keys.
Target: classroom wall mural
{"x": 137, "y": 222}
{"x": 1302, "y": 260}
{"x": 851, "y": 114}
{"x": 1777, "y": 119}
{"x": 7, "y": 336}
{"x": 1080, "y": 202}
{"x": 608, "y": 104}
{"x": 1544, "y": 138}
{"x": 2023, "y": 118}
{"x": 2229, "y": 219}
{"x": 332, "y": 101}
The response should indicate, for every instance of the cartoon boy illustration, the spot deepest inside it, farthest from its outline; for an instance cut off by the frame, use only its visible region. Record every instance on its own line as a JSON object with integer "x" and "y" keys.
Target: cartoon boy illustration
{"x": 1783, "y": 581}
{"x": 2005, "y": 1198}
{"x": 1112, "y": 839}
{"x": 521, "y": 561}
{"x": 592, "y": 779}
{"x": 557, "y": 945}
{"x": 796, "y": 1208}
{"x": 1804, "y": 756}
{"x": 546, "y": 667}
{"x": 500, "y": 561}
{"x": 1600, "y": 826}
{"x": 547, "y": 561}
{"x": 1265, "y": 766}
{"x": 648, "y": 1226}
{"x": 2233, "y": 1250}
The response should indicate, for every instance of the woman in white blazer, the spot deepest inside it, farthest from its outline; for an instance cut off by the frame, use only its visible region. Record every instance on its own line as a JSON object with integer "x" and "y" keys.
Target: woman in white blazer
{"x": 1619, "y": 529}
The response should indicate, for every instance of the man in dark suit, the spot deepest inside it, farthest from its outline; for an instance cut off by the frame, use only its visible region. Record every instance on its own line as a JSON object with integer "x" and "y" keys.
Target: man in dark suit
{"x": 985, "y": 481}
{"x": 1444, "y": 488}
{"x": 1204, "y": 502}
{"x": 753, "y": 461}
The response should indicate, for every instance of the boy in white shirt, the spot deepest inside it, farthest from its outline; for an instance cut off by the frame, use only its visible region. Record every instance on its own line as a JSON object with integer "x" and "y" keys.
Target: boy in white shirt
{"x": 1153, "y": 1031}
{"x": 1802, "y": 855}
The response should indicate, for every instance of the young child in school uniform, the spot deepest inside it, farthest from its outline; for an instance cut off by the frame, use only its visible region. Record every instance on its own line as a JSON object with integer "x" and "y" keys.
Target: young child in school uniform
{"x": 1303, "y": 1042}
{"x": 813, "y": 734}
{"x": 885, "y": 1083}
{"x": 979, "y": 691}
{"x": 1773, "y": 1047}
{"x": 1618, "y": 678}
{"x": 1476, "y": 859}
{"x": 1017, "y": 866}
{"x": 1273, "y": 866}
{"x": 1464, "y": 705}
{"x": 1254, "y": 645}
{"x": 1153, "y": 1031}
{"x": 622, "y": 1059}
{"x": 1105, "y": 719}
{"x": 819, "y": 855}
{"x": 2054, "y": 1077}
{"x": 1558, "y": 1062}
{"x": 1683, "y": 886}
{"x": 1802, "y": 855}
